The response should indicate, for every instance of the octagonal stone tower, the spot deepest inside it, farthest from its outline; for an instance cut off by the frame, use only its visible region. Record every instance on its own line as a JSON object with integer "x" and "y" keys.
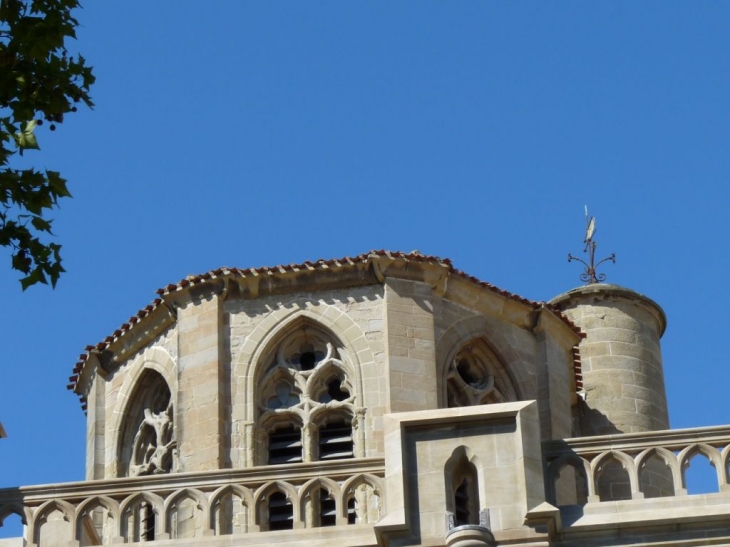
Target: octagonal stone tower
{"x": 623, "y": 377}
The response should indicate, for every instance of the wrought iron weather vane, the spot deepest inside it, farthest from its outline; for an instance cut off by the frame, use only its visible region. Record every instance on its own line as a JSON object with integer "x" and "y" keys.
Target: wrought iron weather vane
{"x": 589, "y": 275}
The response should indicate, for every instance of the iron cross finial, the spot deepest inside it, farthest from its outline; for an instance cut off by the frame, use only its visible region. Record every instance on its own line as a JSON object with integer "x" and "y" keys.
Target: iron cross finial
{"x": 589, "y": 275}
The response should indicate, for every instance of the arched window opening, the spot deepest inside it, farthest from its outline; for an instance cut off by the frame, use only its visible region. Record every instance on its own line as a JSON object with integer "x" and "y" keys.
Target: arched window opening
{"x": 655, "y": 478}
{"x": 231, "y": 515}
{"x": 351, "y": 511}
{"x": 327, "y": 509}
{"x": 364, "y": 504}
{"x": 335, "y": 440}
{"x": 462, "y": 488}
{"x": 95, "y": 525}
{"x": 141, "y": 523}
{"x": 476, "y": 376}
{"x": 613, "y": 483}
{"x": 285, "y": 445}
{"x": 466, "y": 500}
{"x": 12, "y": 526}
{"x": 571, "y": 486}
{"x": 147, "y": 443}
{"x": 280, "y": 512}
{"x": 306, "y": 380}
{"x": 699, "y": 475}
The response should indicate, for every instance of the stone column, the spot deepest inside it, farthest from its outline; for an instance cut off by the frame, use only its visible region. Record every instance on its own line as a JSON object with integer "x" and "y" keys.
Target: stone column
{"x": 623, "y": 377}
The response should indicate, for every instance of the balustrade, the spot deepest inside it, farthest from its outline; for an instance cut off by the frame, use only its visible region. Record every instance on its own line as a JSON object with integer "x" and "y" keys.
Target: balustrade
{"x": 632, "y": 466}
{"x": 191, "y": 505}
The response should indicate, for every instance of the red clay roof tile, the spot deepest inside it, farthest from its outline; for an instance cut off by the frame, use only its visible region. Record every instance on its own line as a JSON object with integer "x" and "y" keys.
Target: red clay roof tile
{"x": 192, "y": 280}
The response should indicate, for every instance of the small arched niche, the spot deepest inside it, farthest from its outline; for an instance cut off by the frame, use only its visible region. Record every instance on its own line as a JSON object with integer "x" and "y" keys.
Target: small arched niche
{"x": 146, "y": 441}
{"x": 462, "y": 488}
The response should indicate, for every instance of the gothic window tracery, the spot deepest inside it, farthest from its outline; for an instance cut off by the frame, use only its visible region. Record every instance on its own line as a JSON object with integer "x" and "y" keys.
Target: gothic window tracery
{"x": 147, "y": 441}
{"x": 306, "y": 403}
{"x": 475, "y": 376}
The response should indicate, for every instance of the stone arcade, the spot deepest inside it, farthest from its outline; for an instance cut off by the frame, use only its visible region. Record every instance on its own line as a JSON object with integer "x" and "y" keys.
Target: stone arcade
{"x": 386, "y": 399}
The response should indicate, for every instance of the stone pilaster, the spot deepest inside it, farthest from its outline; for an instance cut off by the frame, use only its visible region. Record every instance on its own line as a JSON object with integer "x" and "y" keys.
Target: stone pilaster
{"x": 200, "y": 429}
{"x": 412, "y": 377}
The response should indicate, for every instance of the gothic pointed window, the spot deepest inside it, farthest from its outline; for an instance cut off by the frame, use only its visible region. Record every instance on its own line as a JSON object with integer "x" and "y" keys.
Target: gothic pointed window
{"x": 305, "y": 400}
{"x": 464, "y": 494}
{"x": 476, "y": 376}
{"x": 280, "y": 512}
{"x": 147, "y": 441}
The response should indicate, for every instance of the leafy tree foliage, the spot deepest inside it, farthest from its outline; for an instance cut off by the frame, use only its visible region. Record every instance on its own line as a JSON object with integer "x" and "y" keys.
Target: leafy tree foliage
{"x": 40, "y": 82}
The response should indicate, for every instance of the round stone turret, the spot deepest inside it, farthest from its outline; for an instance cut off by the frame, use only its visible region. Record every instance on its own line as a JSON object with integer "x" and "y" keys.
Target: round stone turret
{"x": 621, "y": 359}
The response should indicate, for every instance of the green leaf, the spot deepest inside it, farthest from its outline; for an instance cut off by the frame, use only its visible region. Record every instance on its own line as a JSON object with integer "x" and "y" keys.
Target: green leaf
{"x": 38, "y": 80}
{"x": 27, "y": 139}
{"x": 41, "y": 225}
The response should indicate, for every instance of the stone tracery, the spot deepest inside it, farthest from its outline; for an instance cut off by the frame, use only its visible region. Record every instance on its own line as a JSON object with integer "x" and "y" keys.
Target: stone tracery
{"x": 306, "y": 390}
{"x": 475, "y": 376}
{"x": 149, "y": 428}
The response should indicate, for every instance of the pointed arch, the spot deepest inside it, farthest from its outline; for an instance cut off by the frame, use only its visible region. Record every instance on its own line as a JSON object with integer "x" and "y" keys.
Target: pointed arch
{"x": 362, "y": 499}
{"x": 44, "y": 511}
{"x": 267, "y": 493}
{"x": 216, "y": 499}
{"x": 305, "y": 353}
{"x": 14, "y": 508}
{"x": 310, "y": 495}
{"x": 129, "y": 507}
{"x": 89, "y": 505}
{"x": 173, "y": 502}
{"x": 355, "y": 347}
{"x": 508, "y": 370}
{"x": 462, "y": 476}
{"x": 672, "y": 475}
{"x": 710, "y": 452}
{"x": 602, "y": 481}
{"x": 583, "y": 471}
{"x": 154, "y": 359}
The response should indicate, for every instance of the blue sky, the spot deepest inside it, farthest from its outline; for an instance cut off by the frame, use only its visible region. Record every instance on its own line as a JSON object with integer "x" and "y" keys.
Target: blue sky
{"x": 250, "y": 134}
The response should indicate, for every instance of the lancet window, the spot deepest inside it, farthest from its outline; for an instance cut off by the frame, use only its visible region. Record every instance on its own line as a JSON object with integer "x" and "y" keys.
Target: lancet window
{"x": 306, "y": 401}
{"x": 462, "y": 490}
{"x": 475, "y": 376}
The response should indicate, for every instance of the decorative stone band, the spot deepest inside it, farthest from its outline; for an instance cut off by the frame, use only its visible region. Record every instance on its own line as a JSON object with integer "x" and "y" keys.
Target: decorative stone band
{"x": 187, "y": 505}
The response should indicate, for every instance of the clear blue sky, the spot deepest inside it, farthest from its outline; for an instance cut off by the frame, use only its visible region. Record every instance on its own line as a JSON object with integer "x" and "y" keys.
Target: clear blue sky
{"x": 249, "y": 134}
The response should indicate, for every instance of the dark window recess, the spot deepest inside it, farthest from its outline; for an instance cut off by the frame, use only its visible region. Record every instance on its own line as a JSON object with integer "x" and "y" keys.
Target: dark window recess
{"x": 461, "y": 503}
{"x": 335, "y": 441}
{"x": 147, "y": 529}
{"x": 327, "y": 509}
{"x": 351, "y": 511}
{"x": 467, "y": 372}
{"x": 307, "y": 360}
{"x": 281, "y": 513}
{"x": 285, "y": 446}
{"x": 335, "y": 391}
